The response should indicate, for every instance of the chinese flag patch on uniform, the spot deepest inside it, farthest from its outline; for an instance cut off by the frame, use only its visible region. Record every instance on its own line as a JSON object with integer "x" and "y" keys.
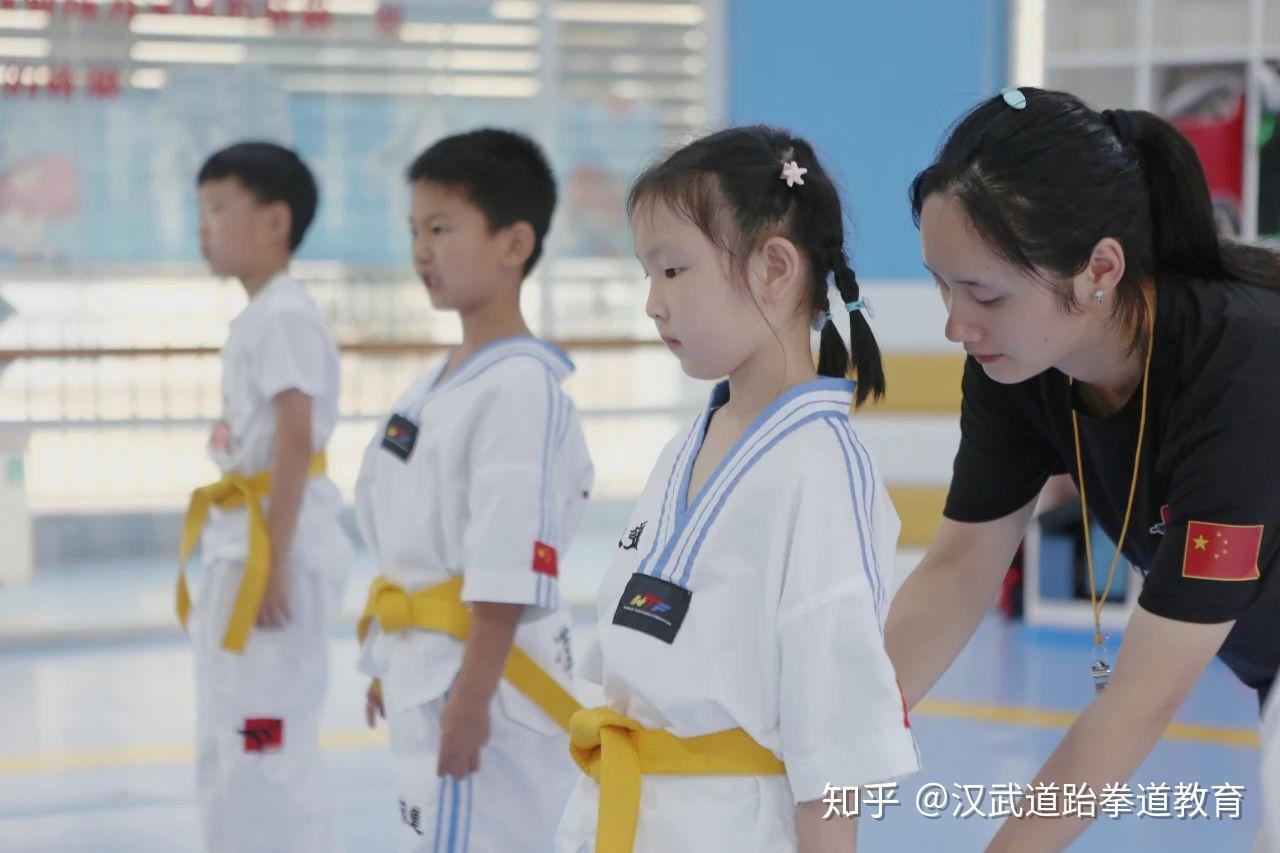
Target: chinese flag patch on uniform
{"x": 1222, "y": 552}
{"x": 263, "y": 735}
{"x": 544, "y": 559}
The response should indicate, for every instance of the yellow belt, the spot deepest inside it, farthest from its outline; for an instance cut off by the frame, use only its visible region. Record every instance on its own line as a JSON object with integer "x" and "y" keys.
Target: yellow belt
{"x": 440, "y": 608}
{"x": 617, "y": 751}
{"x": 232, "y": 492}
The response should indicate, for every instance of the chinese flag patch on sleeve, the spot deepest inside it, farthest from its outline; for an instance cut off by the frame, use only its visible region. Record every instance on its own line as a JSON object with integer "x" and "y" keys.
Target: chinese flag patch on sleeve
{"x": 1222, "y": 552}
{"x": 263, "y": 735}
{"x": 544, "y": 559}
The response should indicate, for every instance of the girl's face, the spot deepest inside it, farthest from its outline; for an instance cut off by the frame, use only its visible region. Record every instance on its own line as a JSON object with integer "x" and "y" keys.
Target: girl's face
{"x": 1007, "y": 320}
{"x": 706, "y": 319}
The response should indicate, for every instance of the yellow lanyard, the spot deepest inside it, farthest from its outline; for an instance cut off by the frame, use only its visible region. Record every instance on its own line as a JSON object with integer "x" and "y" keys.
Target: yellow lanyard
{"x": 1101, "y": 671}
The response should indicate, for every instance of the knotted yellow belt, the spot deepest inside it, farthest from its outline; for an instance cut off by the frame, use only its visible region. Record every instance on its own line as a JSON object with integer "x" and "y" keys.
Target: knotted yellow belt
{"x": 440, "y": 608}
{"x": 617, "y": 751}
{"x": 232, "y": 492}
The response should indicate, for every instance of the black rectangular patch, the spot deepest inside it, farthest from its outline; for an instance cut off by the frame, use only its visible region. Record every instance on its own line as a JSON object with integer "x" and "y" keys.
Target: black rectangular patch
{"x": 400, "y": 436}
{"x": 653, "y": 606}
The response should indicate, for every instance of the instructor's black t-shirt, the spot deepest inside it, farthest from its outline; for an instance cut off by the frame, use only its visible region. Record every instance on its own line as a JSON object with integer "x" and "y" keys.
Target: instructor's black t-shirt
{"x": 1210, "y": 471}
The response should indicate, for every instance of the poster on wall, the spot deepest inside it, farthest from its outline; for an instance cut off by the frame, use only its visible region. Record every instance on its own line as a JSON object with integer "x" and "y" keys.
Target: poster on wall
{"x": 108, "y": 108}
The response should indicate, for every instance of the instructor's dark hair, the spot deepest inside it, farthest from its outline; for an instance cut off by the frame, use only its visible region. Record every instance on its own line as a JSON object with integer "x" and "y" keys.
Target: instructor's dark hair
{"x": 1043, "y": 184}
{"x": 729, "y": 184}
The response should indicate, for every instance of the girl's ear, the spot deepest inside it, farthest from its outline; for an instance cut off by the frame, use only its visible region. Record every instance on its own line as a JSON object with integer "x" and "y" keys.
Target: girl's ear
{"x": 777, "y": 272}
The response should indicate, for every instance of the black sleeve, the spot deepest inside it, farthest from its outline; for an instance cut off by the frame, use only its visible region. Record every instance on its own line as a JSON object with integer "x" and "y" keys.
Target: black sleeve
{"x": 1224, "y": 496}
{"x": 1004, "y": 459}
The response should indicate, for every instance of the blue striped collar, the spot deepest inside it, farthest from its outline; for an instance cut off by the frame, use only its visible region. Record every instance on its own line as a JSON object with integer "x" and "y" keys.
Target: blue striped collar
{"x": 682, "y": 524}
{"x": 549, "y": 355}
{"x": 502, "y": 349}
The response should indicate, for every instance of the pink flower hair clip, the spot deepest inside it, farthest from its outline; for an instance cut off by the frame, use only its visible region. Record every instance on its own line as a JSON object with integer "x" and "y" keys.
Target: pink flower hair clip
{"x": 793, "y": 173}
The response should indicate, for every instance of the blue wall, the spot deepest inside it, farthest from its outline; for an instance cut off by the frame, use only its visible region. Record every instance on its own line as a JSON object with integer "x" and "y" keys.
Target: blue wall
{"x": 873, "y": 84}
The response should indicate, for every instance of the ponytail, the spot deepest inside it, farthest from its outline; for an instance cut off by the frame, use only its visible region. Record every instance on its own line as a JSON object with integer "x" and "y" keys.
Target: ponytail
{"x": 1185, "y": 240}
{"x": 1184, "y": 236}
{"x": 864, "y": 353}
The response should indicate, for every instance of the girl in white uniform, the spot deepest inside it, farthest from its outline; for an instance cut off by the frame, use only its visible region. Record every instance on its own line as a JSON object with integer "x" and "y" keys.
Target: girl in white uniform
{"x": 740, "y": 641}
{"x": 468, "y": 496}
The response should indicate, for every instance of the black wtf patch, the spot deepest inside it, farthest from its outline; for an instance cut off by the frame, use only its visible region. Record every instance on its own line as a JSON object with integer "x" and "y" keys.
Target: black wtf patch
{"x": 400, "y": 436}
{"x": 653, "y": 606}
{"x": 633, "y": 538}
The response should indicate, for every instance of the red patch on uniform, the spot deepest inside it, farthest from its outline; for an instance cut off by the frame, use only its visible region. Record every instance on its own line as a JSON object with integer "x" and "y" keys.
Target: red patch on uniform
{"x": 1222, "y": 552}
{"x": 263, "y": 735}
{"x": 544, "y": 560}
{"x": 906, "y": 720}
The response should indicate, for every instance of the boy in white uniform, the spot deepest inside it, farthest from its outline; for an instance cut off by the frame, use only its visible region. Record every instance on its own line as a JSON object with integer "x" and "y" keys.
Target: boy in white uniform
{"x": 740, "y": 641}
{"x": 273, "y": 551}
{"x": 468, "y": 496}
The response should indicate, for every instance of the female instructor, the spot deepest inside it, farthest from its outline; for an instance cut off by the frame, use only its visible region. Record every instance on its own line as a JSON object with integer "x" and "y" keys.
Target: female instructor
{"x": 1114, "y": 336}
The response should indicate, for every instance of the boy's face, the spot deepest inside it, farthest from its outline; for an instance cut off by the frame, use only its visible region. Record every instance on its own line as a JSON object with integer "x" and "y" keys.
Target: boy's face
{"x": 236, "y": 230}
{"x": 460, "y": 260}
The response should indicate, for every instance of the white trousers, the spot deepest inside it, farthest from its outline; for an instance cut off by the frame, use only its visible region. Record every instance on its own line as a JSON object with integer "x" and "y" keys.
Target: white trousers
{"x": 262, "y": 784}
{"x": 511, "y": 804}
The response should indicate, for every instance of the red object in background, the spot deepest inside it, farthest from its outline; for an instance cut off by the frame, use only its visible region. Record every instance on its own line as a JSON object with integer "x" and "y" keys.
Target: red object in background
{"x": 1011, "y": 588}
{"x": 62, "y": 82}
{"x": 1220, "y": 144}
{"x": 103, "y": 82}
{"x": 389, "y": 19}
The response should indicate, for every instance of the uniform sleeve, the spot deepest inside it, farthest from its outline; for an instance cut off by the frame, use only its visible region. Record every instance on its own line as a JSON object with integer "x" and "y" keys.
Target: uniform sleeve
{"x": 578, "y": 473}
{"x": 1003, "y": 460}
{"x": 293, "y": 352}
{"x": 516, "y": 514}
{"x": 843, "y": 719}
{"x": 1224, "y": 502}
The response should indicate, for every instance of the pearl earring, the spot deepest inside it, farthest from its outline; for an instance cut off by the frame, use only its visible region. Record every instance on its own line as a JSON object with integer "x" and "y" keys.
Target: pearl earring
{"x": 1097, "y": 296}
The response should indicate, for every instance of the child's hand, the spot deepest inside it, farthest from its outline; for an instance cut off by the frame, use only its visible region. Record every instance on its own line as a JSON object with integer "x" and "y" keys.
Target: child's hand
{"x": 274, "y": 612}
{"x": 464, "y": 728}
{"x": 373, "y": 705}
{"x": 220, "y": 437}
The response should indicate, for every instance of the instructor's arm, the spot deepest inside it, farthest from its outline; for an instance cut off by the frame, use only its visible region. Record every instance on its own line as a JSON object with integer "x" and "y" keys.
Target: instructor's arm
{"x": 940, "y": 605}
{"x": 1160, "y": 661}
